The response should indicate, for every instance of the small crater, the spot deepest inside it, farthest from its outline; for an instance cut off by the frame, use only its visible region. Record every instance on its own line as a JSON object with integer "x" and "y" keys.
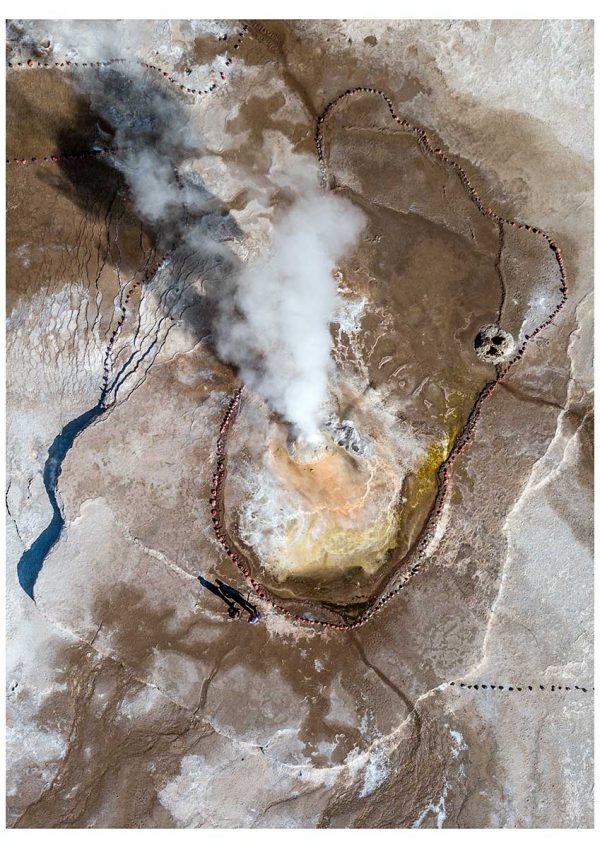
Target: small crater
{"x": 345, "y": 434}
{"x": 493, "y": 344}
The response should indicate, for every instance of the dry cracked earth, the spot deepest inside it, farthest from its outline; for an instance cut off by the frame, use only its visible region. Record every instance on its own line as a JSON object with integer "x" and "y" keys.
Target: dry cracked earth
{"x": 424, "y": 656}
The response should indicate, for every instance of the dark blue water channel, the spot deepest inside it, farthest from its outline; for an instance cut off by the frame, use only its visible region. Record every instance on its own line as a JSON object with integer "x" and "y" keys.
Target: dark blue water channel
{"x": 31, "y": 562}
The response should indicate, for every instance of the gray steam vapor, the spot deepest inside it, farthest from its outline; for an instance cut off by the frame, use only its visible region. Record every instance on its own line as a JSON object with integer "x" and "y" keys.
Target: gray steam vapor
{"x": 271, "y": 319}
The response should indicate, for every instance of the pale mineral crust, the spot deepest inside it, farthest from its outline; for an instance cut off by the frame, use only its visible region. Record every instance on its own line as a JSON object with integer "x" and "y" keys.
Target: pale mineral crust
{"x": 466, "y": 701}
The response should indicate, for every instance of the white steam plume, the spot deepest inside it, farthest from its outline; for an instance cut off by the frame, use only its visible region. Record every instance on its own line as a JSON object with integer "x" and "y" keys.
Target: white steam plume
{"x": 271, "y": 319}
{"x": 279, "y": 335}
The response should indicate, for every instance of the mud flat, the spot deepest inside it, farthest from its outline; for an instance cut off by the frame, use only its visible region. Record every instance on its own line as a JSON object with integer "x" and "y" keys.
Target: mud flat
{"x": 132, "y": 701}
{"x": 436, "y": 269}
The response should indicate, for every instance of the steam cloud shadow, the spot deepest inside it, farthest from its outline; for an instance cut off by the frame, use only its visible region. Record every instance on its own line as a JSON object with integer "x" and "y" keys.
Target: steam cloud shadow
{"x": 146, "y": 126}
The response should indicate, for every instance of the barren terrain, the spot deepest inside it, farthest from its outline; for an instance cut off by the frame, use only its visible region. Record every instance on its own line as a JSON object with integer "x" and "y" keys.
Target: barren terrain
{"x": 424, "y": 653}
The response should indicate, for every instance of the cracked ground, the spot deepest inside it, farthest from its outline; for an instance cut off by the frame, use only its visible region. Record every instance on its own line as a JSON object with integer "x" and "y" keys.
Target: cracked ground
{"x": 466, "y": 701}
